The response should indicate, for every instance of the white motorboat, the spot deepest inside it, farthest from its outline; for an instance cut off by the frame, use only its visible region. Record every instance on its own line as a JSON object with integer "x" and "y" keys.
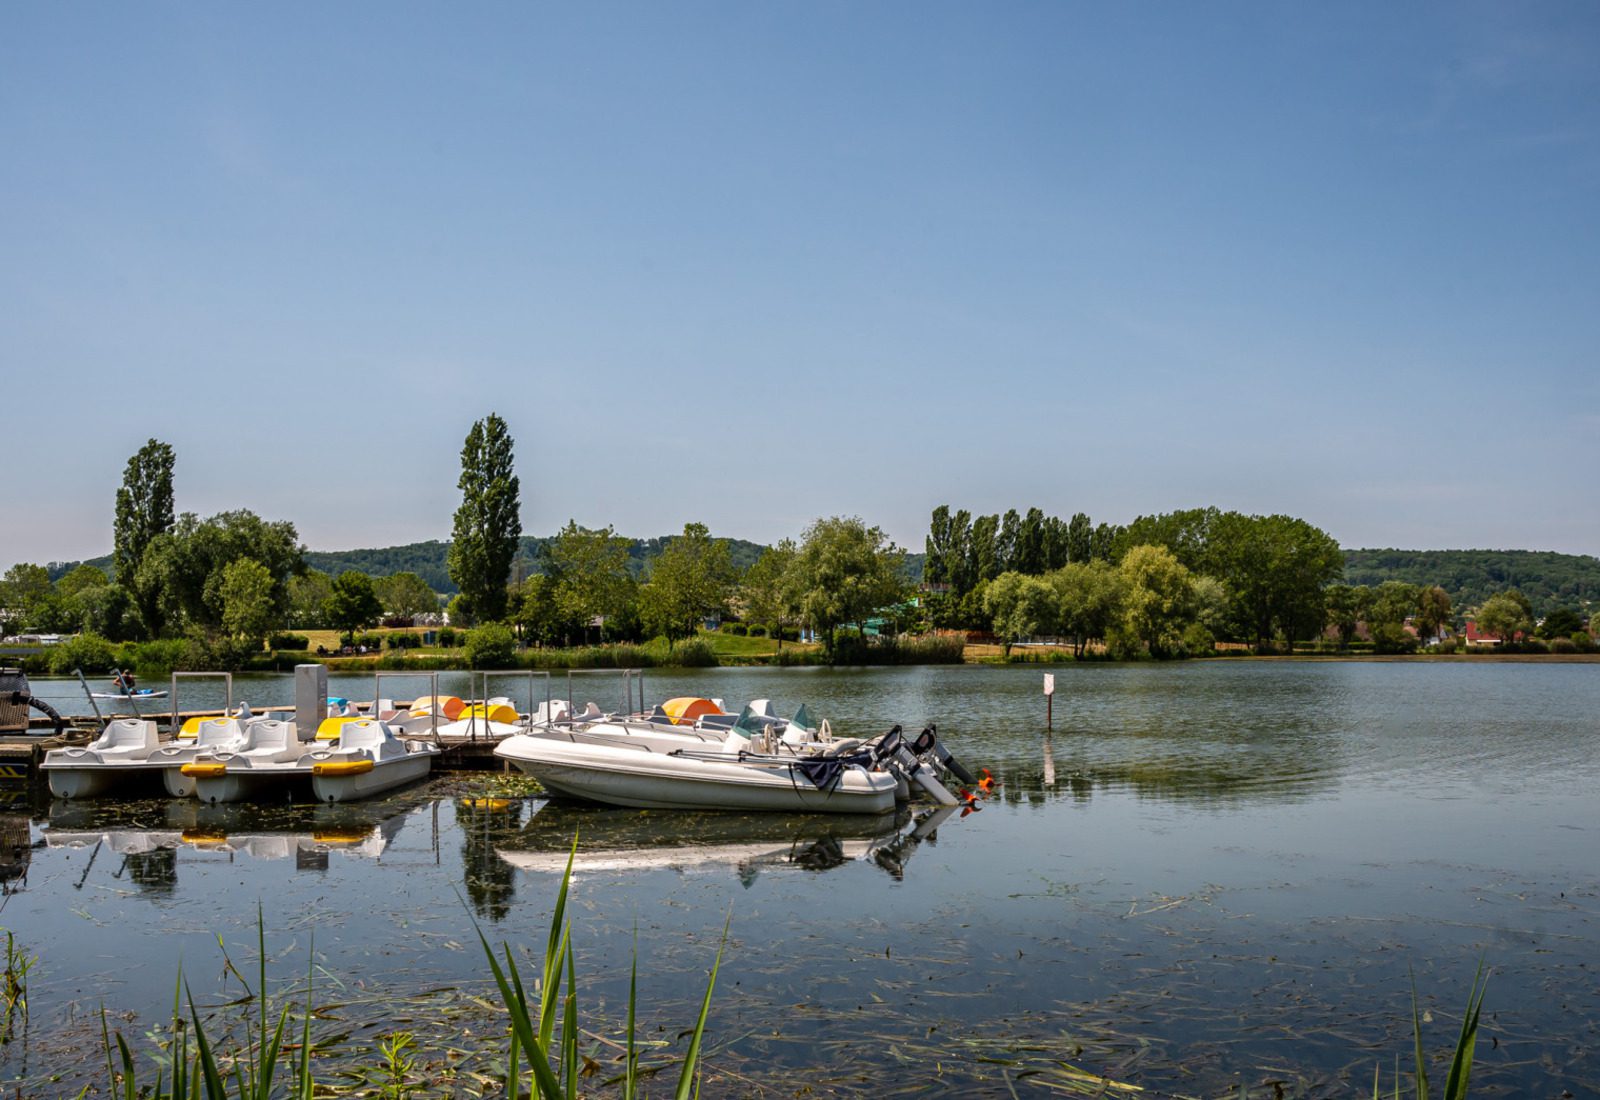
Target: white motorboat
{"x": 641, "y": 768}
{"x": 120, "y": 757}
{"x": 267, "y": 761}
{"x": 367, "y": 759}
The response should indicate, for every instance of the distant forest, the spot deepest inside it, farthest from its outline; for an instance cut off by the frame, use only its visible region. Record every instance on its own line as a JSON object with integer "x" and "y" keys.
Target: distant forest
{"x": 1548, "y": 579}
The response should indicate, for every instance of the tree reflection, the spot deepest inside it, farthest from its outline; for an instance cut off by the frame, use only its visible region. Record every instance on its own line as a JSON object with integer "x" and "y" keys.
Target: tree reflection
{"x": 491, "y": 882}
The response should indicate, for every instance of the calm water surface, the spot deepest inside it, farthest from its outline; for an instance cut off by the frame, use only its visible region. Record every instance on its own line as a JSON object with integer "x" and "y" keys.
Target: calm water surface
{"x": 1207, "y": 876}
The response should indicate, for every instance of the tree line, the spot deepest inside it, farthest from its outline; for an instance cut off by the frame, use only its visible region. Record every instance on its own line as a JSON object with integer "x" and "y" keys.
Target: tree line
{"x": 1179, "y": 582}
{"x": 1163, "y": 585}
{"x": 228, "y": 583}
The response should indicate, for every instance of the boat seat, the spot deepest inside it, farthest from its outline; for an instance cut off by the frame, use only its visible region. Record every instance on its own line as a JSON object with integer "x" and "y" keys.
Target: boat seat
{"x": 363, "y": 734}
{"x": 268, "y": 734}
{"x": 126, "y": 734}
{"x": 217, "y": 731}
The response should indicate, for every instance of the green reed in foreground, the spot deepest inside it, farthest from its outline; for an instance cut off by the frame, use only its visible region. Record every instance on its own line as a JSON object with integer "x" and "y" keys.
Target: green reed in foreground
{"x": 251, "y": 1071}
{"x": 14, "y": 988}
{"x": 1455, "y": 1086}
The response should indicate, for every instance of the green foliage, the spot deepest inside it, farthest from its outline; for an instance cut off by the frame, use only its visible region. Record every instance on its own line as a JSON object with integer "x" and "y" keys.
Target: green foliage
{"x": 187, "y": 565}
{"x": 489, "y": 520}
{"x": 247, "y": 607}
{"x": 292, "y": 642}
{"x": 690, "y": 580}
{"x": 1562, "y": 622}
{"x": 405, "y": 595}
{"x": 1392, "y": 637}
{"x": 308, "y": 596}
{"x": 352, "y": 603}
{"x": 143, "y": 513}
{"x": 1470, "y": 577}
{"x": 491, "y": 645}
{"x": 1275, "y": 567}
{"x": 14, "y": 988}
{"x": 27, "y": 598}
{"x": 404, "y": 640}
{"x": 1347, "y": 606}
{"x": 767, "y": 589}
{"x": 1089, "y": 596}
{"x": 155, "y": 658}
{"x": 1020, "y": 607}
{"x": 1583, "y": 641}
{"x": 1157, "y": 598}
{"x": 588, "y": 576}
{"x": 449, "y": 637}
{"x": 1460, "y": 1071}
{"x": 1197, "y": 641}
{"x": 89, "y": 652}
{"x": 843, "y": 573}
{"x": 1506, "y": 614}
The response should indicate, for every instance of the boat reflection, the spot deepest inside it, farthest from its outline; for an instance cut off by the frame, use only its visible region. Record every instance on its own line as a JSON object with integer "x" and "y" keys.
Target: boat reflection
{"x": 621, "y": 840}
{"x": 148, "y": 829}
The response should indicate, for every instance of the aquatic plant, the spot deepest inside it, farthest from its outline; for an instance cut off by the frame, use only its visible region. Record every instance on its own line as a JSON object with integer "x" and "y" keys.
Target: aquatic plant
{"x": 191, "y": 1066}
{"x": 14, "y": 988}
{"x": 533, "y": 1037}
{"x": 1455, "y": 1086}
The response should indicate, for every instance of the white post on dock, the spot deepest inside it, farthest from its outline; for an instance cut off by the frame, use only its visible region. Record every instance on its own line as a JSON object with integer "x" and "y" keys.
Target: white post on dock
{"x": 1049, "y": 698}
{"x": 310, "y": 700}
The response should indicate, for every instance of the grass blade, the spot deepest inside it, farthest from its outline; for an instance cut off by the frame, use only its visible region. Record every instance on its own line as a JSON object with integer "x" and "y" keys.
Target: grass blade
{"x": 1455, "y": 1086}
{"x": 691, "y": 1057}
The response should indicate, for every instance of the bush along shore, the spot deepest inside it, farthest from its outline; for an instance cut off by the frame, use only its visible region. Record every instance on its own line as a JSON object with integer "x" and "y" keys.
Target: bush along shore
{"x": 488, "y": 647}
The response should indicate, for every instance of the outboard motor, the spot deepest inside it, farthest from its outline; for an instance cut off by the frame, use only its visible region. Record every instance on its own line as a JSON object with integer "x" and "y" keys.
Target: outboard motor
{"x": 928, "y": 742}
{"x": 16, "y": 698}
{"x": 892, "y": 748}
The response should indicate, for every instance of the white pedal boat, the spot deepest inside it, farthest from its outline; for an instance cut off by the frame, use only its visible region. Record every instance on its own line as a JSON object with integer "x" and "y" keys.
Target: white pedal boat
{"x": 636, "y": 770}
{"x": 212, "y": 735}
{"x": 367, "y": 759}
{"x": 267, "y": 761}
{"x": 117, "y": 759}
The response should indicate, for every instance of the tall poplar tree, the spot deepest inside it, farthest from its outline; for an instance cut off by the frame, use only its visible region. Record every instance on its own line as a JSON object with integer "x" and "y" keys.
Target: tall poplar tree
{"x": 489, "y": 521}
{"x": 144, "y": 510}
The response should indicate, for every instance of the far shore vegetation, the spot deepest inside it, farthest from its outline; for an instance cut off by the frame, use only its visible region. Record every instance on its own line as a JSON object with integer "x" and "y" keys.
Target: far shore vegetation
{"x": 238, "y": 592}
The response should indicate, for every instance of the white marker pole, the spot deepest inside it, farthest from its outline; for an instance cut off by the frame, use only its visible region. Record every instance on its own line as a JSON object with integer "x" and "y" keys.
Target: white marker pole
{"x": 1049, "y": 698}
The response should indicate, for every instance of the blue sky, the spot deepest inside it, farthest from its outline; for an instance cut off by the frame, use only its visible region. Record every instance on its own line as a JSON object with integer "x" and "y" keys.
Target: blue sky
{"x": 749, "y": 264}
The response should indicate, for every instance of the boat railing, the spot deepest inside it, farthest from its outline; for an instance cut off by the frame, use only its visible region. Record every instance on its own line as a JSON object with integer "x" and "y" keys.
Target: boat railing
{"x": 479, "y": 680}
{"x": 631, "y": 678}
{"x": 225, "y": 677}
{"x": 433, "y": 694}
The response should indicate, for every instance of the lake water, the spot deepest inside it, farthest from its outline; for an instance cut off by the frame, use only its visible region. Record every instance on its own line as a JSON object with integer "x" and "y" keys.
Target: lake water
{"x": 1207, "y": 876}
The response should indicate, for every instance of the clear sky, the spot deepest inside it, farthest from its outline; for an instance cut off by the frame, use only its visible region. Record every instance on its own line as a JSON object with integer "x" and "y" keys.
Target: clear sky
{"x": 751, "y": 263}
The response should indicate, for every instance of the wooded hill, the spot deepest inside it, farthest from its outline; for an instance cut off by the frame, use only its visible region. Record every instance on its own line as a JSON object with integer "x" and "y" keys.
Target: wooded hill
{"x": 1548, "y": 579}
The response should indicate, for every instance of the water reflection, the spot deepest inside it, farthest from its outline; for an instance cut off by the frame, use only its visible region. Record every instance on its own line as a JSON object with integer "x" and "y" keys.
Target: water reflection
{"x": 16, "y": 852}
{"x": 149, "y": 834}
{"x": 486, "y": 822}
{"x": 617, "y": 840}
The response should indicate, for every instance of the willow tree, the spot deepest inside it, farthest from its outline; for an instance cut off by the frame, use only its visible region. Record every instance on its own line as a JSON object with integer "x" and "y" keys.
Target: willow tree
{"x": 144, "y": 511}
{"x": 489, "y": 521}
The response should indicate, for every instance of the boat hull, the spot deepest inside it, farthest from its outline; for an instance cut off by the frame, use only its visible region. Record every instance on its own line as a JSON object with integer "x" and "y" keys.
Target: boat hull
{"x": 246, "y": 784}
{"x": 95, "y": 779}
{"x": 385, "y": 775}
{"x": 639, "y": 778}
